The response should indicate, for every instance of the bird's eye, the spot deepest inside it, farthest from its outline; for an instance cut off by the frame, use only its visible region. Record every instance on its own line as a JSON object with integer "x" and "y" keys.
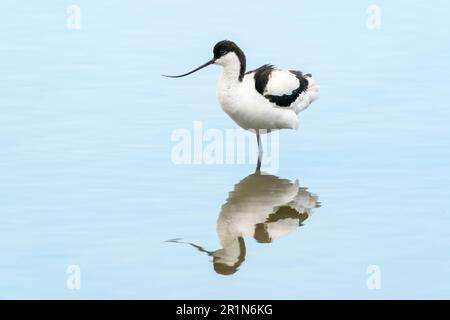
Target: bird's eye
{"x": 222, "y": 52}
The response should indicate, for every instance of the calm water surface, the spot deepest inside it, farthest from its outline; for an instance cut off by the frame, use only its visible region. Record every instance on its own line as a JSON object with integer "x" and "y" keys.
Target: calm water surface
{"x": 86, "y": 176}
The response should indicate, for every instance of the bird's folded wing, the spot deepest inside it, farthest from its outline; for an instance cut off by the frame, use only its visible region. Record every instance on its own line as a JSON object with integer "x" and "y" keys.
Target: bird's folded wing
{"x": 281, "y": 87}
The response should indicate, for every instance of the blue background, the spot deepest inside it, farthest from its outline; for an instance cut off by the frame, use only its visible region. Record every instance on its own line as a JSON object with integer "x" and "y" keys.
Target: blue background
{"x": 86, "y": 176}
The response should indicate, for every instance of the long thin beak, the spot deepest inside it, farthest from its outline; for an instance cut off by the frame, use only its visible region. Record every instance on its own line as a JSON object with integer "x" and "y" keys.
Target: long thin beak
{"x": 186, "y": 74}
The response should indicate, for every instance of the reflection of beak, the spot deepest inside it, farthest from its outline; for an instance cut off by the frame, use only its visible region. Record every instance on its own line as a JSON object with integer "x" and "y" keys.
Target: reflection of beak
{"x": 186, "y": 74}
{"x": 199, "y": 248}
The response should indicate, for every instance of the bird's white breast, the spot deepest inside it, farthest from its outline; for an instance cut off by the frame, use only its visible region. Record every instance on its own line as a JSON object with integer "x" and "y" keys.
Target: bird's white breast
{"x": 248, "y": 108}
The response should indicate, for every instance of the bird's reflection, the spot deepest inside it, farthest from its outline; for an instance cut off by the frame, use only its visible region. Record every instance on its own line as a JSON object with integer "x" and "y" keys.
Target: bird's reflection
{"x": 261, "y": 206}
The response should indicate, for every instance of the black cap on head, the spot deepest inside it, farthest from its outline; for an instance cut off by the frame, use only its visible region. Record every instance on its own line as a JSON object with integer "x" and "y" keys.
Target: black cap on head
{"x": 225, "y": 46}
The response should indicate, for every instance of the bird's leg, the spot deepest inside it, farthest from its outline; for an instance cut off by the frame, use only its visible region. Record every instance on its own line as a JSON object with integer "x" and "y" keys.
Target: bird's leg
{"x": 260, "y": 151}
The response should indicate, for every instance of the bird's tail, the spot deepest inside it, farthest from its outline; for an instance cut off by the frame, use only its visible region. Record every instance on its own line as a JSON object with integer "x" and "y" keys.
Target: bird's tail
{"x": 313, "y": 88}
{"x": 310, "y": 95}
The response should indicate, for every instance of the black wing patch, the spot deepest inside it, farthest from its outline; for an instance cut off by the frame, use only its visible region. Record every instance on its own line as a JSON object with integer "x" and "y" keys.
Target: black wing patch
{"x": 262, "y": 75}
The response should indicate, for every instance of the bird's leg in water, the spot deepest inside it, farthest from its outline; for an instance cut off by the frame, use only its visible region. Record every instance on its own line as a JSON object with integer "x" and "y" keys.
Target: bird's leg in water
{"x": 260, "y": 151}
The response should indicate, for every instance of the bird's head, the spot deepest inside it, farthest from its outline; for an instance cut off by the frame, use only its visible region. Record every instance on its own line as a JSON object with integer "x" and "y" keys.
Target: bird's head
{"x": 226, "y": 54}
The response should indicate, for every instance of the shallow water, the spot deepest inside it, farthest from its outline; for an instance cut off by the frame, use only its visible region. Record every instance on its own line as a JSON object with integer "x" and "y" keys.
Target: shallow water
{"x": 87, "y": 177}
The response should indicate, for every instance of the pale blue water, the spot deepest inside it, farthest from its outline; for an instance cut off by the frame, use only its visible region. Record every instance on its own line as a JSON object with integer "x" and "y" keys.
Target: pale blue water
{"x": 85, "y": 150}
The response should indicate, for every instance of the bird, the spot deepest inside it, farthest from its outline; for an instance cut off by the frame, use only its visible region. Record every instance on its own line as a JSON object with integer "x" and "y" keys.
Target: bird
{"x": 260, "y": 100}
{"x": 262, "y": 206}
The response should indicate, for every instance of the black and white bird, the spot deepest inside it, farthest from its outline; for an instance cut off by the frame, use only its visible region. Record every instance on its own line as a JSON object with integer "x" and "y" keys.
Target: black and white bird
{"x": 263, "y": 99}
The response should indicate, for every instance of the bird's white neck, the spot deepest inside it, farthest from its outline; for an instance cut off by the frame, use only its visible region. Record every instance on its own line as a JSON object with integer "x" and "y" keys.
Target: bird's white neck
{"x": 231, "y": 68}
{"x": 231, "y": 73}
